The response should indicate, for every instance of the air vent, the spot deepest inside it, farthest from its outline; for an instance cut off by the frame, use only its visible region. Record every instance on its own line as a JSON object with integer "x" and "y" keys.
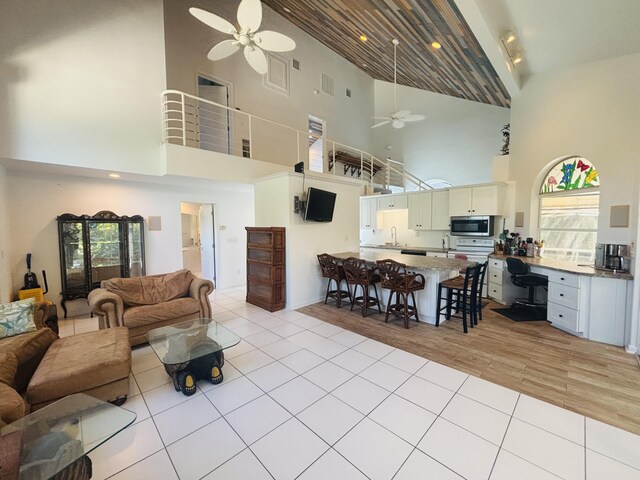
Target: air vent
{"x": 327, "y": 84}
{"x": 296, "y": 64}
{"x": 348, "y": 92}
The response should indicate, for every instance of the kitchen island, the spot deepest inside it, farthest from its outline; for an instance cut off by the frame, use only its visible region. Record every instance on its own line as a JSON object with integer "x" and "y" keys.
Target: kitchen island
{"x": 434, "y": 269}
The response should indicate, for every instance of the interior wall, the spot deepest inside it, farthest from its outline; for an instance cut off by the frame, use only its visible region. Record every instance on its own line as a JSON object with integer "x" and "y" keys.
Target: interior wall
{"x": 6, "y": 282}
{"x": 188, "y": 41}
{"x": 41, "y": 198}
{"x": 456, "y": 142}
{"x": 590, "y": 110}
{"x": 305, "y": 240}
{"x": 80, "y": 83}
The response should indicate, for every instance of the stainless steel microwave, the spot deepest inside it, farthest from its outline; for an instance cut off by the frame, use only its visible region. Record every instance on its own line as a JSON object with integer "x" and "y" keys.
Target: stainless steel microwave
{"x": 479, "y": 226}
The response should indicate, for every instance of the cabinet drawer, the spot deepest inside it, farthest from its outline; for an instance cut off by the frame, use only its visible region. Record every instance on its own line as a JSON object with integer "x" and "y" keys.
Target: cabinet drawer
{"x": 495, "y": 291}
{"x": 563, "y": 278}
{"x": 564, "y": 295}
{"x": 563, "y": 316}
{"x": 495, "y": 275}
{"x": 497, "y": 264}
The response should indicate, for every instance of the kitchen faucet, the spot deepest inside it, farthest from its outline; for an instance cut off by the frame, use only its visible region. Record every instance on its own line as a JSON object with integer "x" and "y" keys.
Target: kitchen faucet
{"x": 394, "y": 236}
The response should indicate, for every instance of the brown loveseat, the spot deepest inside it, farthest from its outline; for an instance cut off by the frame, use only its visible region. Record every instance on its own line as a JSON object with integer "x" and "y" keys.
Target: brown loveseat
{"x": 145, "y": 303}
{"x": 20, "y": 355}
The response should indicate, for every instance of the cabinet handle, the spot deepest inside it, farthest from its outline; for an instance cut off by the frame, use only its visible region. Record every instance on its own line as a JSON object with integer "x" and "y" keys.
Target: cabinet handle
{"x": 561, "y": 278}
{"x": 562, "y": 294}
{"x": 560, "y": 315}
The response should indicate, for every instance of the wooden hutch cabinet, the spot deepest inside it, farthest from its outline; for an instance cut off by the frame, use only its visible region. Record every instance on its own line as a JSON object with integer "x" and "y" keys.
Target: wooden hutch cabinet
{"x": 266, "y": 283}
{"x": 96, "y": 248}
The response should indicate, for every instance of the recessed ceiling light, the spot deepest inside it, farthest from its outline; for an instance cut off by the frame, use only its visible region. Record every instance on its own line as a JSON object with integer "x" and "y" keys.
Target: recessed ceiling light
{"x": 114, "y": 175}
{"x": 288, "y": 10}
{"x": 363, "y": 38}
{"x": 436, "y": 45}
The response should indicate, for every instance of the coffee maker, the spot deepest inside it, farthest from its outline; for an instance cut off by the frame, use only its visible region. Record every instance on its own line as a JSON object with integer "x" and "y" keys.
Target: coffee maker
{"x": 612, "y": 256}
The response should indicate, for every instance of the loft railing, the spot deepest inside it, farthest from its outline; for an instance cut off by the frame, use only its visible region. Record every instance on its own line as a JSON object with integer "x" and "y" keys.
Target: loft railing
{"x": 196, "y": 122}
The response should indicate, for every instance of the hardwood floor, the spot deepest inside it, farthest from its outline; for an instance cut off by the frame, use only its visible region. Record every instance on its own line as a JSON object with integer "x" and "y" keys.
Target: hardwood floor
{"x": 596, "y": 380}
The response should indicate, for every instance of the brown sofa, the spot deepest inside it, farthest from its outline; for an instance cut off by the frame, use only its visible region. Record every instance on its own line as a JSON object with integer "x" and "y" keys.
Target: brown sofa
{"x": 144, "y": 303}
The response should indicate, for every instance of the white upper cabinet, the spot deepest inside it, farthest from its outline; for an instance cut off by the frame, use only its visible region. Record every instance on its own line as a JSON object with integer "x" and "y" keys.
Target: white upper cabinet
{"x": 369, "y": 212}
{"x": 440, "y": 210}
{"x": 483, "y": 200}
{"x": 392, "y": 202}
{"x": 419, "y": 211}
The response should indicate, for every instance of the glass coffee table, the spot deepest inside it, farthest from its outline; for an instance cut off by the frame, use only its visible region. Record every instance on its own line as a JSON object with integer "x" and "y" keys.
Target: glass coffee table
{"x": 53, "y": 442}
{"x": 192, "y": 351}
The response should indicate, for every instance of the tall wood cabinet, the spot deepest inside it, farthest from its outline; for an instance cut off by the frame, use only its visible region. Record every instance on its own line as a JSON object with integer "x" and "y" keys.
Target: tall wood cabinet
{"x": 266, "y": 282}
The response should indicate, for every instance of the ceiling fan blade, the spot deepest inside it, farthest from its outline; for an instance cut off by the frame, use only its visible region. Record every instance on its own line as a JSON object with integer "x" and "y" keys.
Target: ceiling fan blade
{"x": 212, "y": 20}
{"x": 382, "y": 118}
{"x": 274, "y": 41}
{"x": 381, "y": 123}
{"x": 413, "y": 118}
{"x": 222, "y": 50}
{"x": 402, "y": 113}
{"x": 397, "y": 124}
{"x": 256, "y": 58}
{"x": 250, "y": 14}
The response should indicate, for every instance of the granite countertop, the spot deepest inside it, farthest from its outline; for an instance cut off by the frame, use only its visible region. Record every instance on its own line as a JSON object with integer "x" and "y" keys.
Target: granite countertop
{"x": 407, "y": 247}
{"x": 569, "y": 267}
{"x": 412, "y": 261}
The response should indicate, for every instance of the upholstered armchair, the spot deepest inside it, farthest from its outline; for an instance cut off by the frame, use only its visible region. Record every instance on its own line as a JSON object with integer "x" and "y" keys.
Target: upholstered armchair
{"x": 144, "y": 303}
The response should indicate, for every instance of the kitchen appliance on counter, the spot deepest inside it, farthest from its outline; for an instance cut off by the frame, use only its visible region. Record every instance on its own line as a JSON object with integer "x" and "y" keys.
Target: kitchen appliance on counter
{"x": 612, "y": 256}
{"x": 478, "y": 226}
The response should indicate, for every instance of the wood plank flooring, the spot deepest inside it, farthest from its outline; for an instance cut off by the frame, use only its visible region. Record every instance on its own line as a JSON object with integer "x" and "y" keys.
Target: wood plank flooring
{"x": 596, "y": 380}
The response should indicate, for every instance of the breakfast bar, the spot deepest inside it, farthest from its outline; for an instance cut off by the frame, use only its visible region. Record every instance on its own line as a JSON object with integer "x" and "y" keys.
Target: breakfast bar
{"x": 434, "y": 269}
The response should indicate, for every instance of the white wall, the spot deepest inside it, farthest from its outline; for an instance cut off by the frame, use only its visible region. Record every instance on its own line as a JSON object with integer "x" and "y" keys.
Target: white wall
{"x": 274, "y": 208}
{"x": 456, "y": 142}
{"x": 590, "y": 110}
{"x": 35, "y": 200}
{"x": 80, "y": 82}
{"x": 188, "y": 42}
{"x": 6, "y": 284}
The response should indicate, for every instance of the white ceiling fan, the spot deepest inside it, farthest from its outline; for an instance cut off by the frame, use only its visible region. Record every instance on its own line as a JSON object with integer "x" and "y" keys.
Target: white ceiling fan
{"x": 398, "y": 118}
{"x": 248, "y": 36}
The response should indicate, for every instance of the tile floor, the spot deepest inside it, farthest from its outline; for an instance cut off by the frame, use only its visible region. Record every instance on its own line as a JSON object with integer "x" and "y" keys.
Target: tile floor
{"x": 305, "y": 399}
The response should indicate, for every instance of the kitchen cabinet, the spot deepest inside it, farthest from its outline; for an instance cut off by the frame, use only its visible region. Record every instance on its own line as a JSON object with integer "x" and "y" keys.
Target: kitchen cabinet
{"x": 419, "y": 205}
{"x": 481, "y": 200}
{"x": 440, "y": 210}
{"x": 392, "y": 202}
{"x": 369, "y": 212}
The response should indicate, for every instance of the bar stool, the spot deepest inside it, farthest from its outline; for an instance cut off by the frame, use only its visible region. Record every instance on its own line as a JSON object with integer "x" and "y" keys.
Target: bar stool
{"x": 394, "y": 277}
{"x": 463, "y": 292}
{"x": 360, "y": 274}
{"x": 332, "y": 270}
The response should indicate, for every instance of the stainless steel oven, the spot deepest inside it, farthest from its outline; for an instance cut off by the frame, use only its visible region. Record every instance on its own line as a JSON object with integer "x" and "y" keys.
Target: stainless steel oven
{"x": 477, "y": 226}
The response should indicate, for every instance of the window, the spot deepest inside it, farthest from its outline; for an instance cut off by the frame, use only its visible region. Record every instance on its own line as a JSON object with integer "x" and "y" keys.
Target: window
{"x": 569, "y": 207}
{"x": 316, "y": 144}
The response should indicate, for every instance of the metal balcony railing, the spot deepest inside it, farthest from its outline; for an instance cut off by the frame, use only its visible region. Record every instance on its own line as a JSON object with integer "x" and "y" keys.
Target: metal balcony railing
{"x": 191, "y": 121}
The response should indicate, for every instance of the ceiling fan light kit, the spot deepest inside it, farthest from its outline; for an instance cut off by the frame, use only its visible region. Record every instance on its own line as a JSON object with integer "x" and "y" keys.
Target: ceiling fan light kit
{"x": 397, "y": 119}
{"x": 511, "y": 48}
{"x": 247, "y": 36}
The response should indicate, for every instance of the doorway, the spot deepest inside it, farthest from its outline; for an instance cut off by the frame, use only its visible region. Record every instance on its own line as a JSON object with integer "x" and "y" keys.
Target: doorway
{"x": 213, "y": 122}
{"x": 316, "y": 144}
{"x": 198, "y": 239}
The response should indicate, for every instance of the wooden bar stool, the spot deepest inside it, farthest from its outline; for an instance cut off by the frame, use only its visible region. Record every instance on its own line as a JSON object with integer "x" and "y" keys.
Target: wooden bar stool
{"x": 394, "y": 277}
{"x": 360, "y": 274}
{"x": 332, "y": 270}
{"x": 462, "y": 292}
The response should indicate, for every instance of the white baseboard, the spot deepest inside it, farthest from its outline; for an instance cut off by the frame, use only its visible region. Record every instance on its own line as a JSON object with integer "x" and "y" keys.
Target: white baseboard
{"x": 631, "y": 349}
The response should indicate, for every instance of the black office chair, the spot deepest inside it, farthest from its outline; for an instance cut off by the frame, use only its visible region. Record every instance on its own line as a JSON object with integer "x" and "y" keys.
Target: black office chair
{"x": 521, "y": 276}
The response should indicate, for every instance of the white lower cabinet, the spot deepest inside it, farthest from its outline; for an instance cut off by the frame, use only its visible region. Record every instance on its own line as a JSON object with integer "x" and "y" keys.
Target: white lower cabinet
{"x": 499, "y": 285}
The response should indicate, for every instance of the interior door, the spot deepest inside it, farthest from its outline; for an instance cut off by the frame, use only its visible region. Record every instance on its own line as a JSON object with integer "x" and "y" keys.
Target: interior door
{"x": 214, "y": 125}
{"x": 207, "y": 242}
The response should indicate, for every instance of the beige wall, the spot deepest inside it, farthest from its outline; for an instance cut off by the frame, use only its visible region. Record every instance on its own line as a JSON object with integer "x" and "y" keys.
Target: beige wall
{"x": 591, "y": 110}
{"x": 6, "y": 282}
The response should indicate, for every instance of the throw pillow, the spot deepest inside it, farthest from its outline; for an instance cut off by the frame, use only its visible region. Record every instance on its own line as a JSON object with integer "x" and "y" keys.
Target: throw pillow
{"x": 17, "y": 318}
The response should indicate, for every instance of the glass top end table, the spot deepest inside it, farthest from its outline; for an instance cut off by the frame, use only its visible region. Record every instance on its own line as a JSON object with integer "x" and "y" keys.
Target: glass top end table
{"x": 191, "y": 351}
{"x": 56, "y": 436}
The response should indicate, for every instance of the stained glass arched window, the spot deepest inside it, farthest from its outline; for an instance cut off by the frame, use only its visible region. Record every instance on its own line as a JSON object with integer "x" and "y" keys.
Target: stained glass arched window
{"x": 572, "y": 173}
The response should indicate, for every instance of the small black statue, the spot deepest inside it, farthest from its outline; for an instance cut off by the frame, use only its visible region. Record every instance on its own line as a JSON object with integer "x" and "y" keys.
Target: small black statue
{"x": 505, "y": 138}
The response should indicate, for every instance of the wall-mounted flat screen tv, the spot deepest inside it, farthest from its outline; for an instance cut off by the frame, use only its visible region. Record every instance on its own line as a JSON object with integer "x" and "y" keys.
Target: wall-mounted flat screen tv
{"x": 320, "y": 204}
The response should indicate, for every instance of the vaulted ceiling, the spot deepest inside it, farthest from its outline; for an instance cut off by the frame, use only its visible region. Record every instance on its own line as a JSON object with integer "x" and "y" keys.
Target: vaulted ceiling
{"x": 460, "y": 68}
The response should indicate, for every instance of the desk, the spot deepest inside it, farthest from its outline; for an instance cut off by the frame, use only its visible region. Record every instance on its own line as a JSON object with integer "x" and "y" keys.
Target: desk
{"x": 434, "y": 269}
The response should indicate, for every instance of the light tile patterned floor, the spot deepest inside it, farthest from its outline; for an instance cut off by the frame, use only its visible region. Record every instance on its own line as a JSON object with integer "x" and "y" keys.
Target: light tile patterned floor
{"x": 305, "y": 399}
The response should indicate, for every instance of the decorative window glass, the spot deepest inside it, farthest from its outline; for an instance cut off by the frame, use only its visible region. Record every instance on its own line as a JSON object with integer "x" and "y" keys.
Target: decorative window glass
{"x": 570, "y": 174}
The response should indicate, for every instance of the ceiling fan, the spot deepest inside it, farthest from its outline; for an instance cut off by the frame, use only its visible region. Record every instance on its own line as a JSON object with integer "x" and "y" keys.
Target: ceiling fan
{"x": 398, "y": 118}
{"x": 248, "y": 36}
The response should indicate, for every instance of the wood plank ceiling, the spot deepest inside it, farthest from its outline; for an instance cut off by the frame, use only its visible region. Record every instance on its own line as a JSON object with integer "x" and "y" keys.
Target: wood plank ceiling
{"x": 459, "y": 69}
